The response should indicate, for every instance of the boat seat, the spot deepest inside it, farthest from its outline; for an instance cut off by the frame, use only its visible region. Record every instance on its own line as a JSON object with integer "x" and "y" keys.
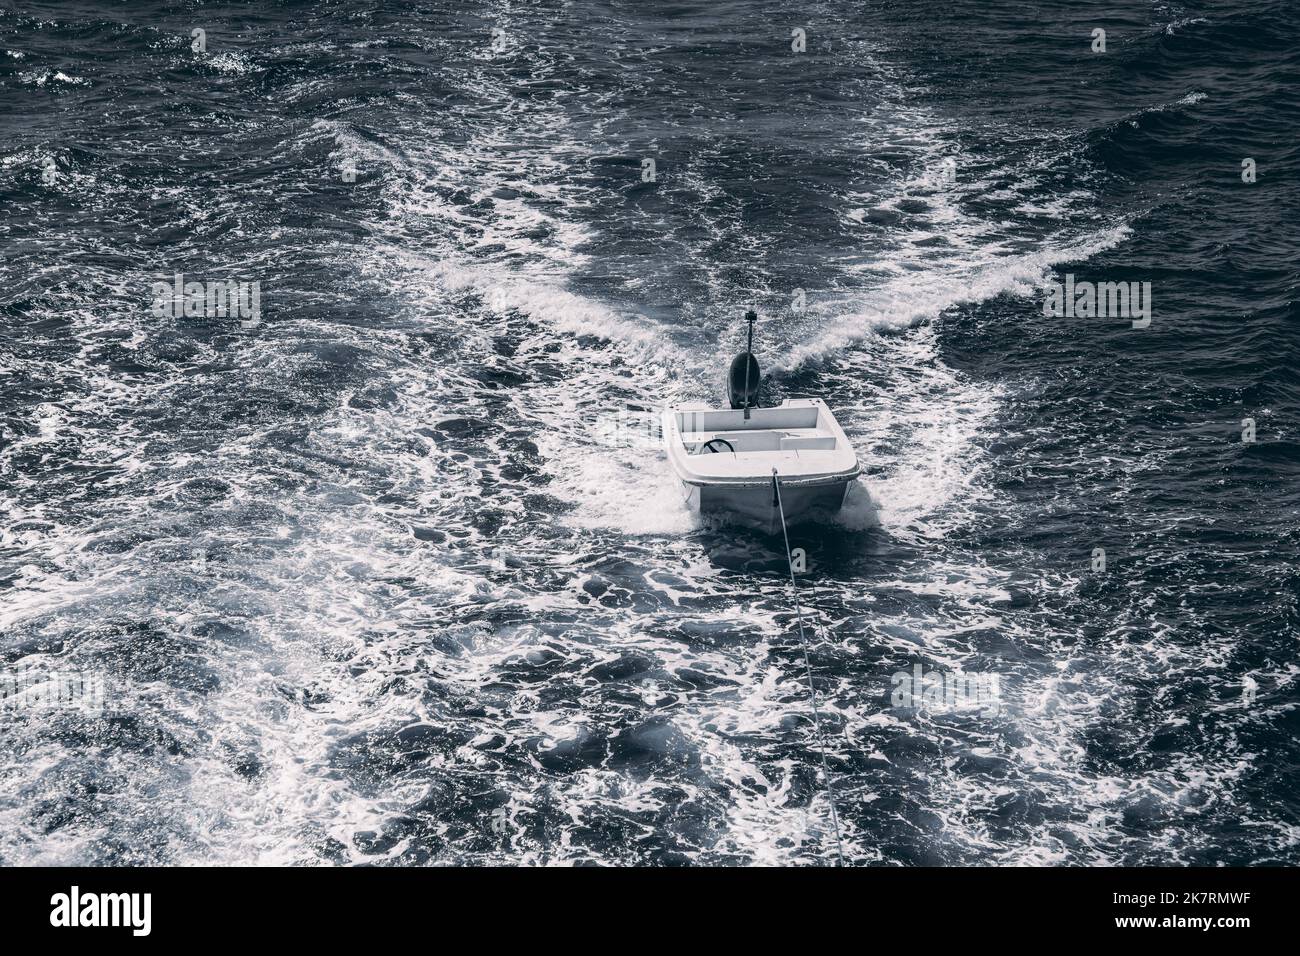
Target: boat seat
{"x": 823, "y": 442}
{"x": 753, "y": 441}
{"x": 706, "y": 419}
{"x": 704, "y": 435}
{"x": 807, "y": 439}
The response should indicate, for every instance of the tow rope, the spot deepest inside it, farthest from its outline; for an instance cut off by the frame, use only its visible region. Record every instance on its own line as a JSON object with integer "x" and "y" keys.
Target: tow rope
{"x": 807, "y": 663}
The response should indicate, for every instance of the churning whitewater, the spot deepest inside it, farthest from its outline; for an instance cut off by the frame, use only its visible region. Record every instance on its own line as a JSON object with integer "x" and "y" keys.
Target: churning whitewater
{"x": 389, "y": 566}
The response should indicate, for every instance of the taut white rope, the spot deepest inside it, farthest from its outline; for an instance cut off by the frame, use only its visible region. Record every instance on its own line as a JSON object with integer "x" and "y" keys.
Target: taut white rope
{"x": 807, "y": 663}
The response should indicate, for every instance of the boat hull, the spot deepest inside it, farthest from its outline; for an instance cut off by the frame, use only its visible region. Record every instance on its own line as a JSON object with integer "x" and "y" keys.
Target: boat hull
{"x": 754, "y": 506}
{"x": 726, "y": 459}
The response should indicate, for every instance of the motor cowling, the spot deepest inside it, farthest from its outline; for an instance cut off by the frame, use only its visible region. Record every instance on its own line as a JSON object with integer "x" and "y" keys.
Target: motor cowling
{"x": 738, "y": 392}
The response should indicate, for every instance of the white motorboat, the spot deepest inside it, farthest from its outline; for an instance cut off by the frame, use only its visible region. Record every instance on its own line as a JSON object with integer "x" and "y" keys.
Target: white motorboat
{"x": 728, "y": 459}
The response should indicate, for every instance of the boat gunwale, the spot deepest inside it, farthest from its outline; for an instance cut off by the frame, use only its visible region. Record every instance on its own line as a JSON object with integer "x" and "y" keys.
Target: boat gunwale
{"x": 675, "y": 450}
{"x": 794, "y": 481}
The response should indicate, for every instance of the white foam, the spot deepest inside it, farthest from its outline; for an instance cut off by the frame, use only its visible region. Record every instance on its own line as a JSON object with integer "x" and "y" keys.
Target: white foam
{"x": 552, "y": 305}
{"x": 637, "y": 495}
{"x": 860, "y": 511}
{"x": 909, "y": 299}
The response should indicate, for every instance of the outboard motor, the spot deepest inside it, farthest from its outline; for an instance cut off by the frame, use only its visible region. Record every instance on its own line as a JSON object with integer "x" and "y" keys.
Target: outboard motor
{"x": 744, "y": 377}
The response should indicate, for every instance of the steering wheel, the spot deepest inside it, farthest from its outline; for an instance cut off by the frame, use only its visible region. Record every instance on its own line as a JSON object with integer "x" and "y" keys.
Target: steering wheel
{"x": 708, "y": 446}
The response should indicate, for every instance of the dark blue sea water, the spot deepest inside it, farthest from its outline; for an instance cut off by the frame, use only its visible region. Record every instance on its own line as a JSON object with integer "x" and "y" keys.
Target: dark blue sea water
{"x": 373, "y": 580}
